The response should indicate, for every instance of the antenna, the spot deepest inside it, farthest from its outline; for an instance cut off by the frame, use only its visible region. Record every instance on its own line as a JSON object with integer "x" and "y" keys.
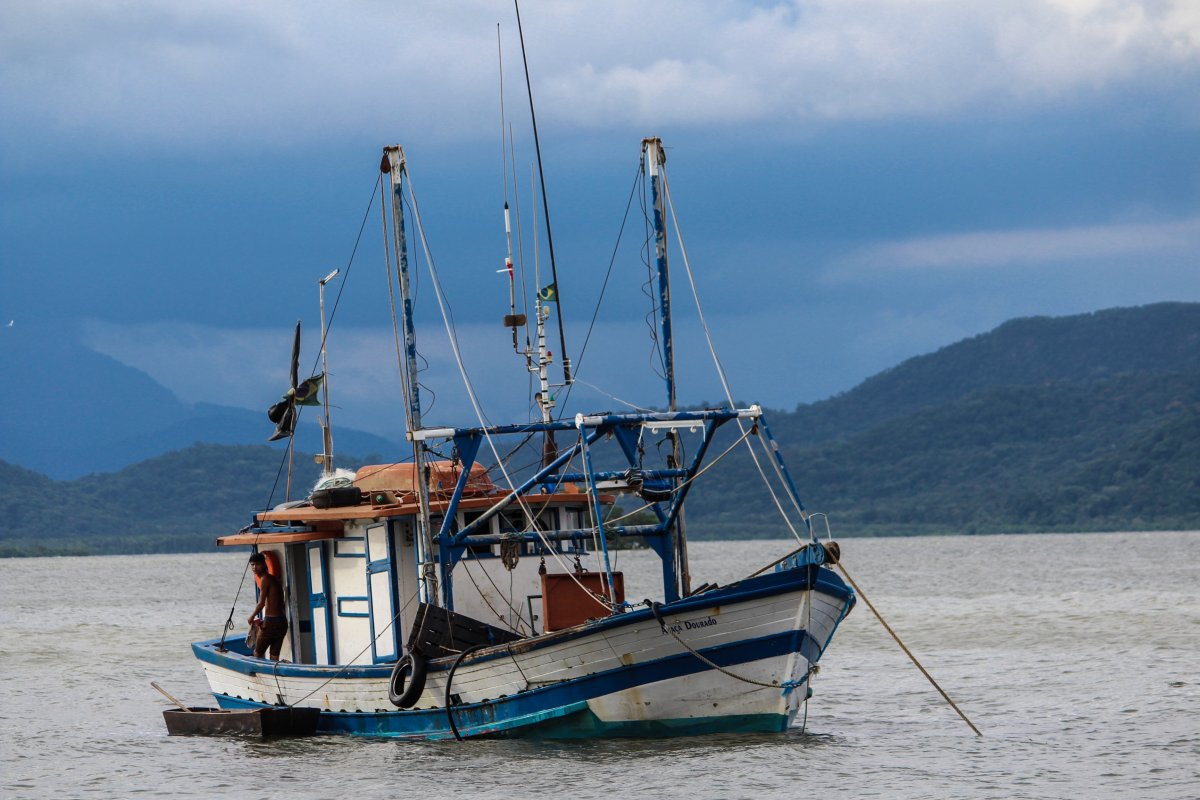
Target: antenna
{"x": 326, "y": 457}
{"x": 512, "y": 319}
{"x": 562, "y": 338}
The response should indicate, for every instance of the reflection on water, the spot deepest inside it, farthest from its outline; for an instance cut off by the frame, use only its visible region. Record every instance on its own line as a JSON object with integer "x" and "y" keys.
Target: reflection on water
{"x": 1075, "y": 654}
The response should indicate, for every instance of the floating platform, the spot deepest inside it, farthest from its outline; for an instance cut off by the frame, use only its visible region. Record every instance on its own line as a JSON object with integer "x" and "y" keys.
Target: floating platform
{"x": 253, "y": 722}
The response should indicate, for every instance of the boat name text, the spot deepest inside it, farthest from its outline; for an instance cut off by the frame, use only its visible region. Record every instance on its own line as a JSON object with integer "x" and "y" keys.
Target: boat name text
{"x": 692, "y": 624}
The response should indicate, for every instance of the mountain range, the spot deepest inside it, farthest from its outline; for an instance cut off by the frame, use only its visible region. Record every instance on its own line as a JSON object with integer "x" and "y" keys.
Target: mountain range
{"x": 70, "y": 411}
{"x": 1086, "y": 422}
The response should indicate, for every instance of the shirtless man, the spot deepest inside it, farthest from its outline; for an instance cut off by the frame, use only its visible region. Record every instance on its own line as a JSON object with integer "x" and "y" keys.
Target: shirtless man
{"x": 274, "y": 625}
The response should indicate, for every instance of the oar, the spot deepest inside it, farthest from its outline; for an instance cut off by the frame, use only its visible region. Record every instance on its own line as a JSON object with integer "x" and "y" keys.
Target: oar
{"x": 906, "y": 650}
{"x": 169, "y": 696}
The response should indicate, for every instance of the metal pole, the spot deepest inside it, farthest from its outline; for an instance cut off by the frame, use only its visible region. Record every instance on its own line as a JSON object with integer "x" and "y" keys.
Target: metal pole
{"x": 655, "y": 159}
{"x": 394, "y": 158}
{"x": 326, "y": 427}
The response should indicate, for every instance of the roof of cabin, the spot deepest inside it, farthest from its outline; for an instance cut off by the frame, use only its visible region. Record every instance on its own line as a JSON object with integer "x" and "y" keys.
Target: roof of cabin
{"x": 388, "y": 492}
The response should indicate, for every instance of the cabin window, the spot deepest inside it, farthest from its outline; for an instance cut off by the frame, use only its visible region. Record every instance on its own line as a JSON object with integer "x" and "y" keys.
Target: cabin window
{"x": 349, "y": 548}
{"x": 469, "y": 517}
{"x": 544, "y": 519}
{"x": 353, "y": 606}
{"x": 477, "y": 550}
{"x": 512, "y": 521}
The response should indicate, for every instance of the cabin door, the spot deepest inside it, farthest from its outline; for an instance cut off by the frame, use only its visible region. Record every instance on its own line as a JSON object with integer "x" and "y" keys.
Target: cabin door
{"x": 407, "y": 579}
{"x": 318, "y": 603}
{"x": 381, "y": 594}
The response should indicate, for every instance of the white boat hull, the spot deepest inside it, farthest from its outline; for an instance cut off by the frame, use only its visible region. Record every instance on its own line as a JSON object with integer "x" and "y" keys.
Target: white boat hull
{"x": 736, "y": 658}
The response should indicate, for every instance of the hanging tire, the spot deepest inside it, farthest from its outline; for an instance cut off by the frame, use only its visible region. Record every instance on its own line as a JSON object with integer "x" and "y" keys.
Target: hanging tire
{"x": 402, "y": 695}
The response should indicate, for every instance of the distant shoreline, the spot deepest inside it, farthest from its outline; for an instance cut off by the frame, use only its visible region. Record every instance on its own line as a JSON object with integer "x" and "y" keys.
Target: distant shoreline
{"x": 10, "y": 552}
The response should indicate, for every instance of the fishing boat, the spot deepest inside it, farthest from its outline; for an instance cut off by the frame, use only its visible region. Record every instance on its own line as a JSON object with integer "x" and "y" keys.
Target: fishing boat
{"x": 469, "y": 590}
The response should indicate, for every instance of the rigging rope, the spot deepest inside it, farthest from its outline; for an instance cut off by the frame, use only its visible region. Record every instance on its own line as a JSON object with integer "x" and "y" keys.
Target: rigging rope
{"x": 351, "y": 663}
{"x": 448, "y": 322}
{"x": 285, "y": 456}
{"x": 520, "y": 626}
{"x": 603, "y": 288}
{"x": 721, "y": 370}
{"x": 786, "y": 686}
{"x": 907, "y": 652}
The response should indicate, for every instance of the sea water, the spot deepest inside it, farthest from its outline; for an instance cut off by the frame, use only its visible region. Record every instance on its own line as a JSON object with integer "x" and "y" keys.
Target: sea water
{"x": 1077, "y": 656}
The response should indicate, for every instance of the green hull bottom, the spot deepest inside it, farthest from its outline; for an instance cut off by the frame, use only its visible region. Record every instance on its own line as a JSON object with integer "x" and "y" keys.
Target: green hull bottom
{"x": 586, "y": 725}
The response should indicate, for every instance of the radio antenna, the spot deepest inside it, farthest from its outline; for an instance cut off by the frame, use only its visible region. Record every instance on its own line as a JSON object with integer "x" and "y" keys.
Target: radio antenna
{"x": 562, "y": 338}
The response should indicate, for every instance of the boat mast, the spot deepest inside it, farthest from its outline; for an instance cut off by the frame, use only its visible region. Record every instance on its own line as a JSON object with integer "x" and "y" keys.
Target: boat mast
{"x": 326, "y": 457}
{"x": 394, "y": 164}
{"x": 655, "y": 157}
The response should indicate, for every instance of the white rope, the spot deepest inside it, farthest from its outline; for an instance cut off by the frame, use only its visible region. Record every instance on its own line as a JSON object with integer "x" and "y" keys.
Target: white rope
{"x": 695, "y": 477}
{"x": 598, "y": 390}
{"x": 470, "y": 389}
{"x": 360, "y": 653}
{"x": 520, "y": 626}
{"x": 720, "y": 369}
{"x": 786, "y": 686}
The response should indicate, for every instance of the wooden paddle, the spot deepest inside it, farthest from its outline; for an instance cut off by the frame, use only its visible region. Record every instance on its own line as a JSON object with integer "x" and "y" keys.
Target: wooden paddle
{"x": 168, "y": 695}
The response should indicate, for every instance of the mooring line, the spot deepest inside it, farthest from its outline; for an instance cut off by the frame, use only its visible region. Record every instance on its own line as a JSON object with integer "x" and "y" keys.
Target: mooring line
{"x": 907, "y": 652}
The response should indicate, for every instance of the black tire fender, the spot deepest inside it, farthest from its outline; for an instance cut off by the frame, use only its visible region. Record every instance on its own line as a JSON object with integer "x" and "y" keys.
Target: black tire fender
{"x": 402, "y": 695}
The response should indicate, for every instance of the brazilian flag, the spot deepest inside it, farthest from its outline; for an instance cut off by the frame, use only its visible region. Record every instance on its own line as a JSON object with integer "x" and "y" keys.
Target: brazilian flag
{"x": 549, "y": 294}
{"x": 306, "y": 392}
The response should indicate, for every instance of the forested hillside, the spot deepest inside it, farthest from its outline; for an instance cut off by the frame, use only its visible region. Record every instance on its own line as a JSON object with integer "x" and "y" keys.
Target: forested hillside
{"x": 1081, "y": 423}
{"x": 1117, "y": 454}
{"x": 178, "y": 502}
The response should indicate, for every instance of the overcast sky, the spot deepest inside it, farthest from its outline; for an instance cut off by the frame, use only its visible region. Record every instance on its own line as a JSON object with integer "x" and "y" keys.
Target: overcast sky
{"x": 857, "y": 181}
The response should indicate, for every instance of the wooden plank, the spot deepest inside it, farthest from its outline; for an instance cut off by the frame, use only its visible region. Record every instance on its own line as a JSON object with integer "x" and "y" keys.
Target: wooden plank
{"x": 277, "y": 538}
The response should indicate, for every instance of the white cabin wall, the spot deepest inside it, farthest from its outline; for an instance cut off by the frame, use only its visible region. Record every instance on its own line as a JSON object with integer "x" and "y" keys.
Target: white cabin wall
{"x": 486, "y": 591}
